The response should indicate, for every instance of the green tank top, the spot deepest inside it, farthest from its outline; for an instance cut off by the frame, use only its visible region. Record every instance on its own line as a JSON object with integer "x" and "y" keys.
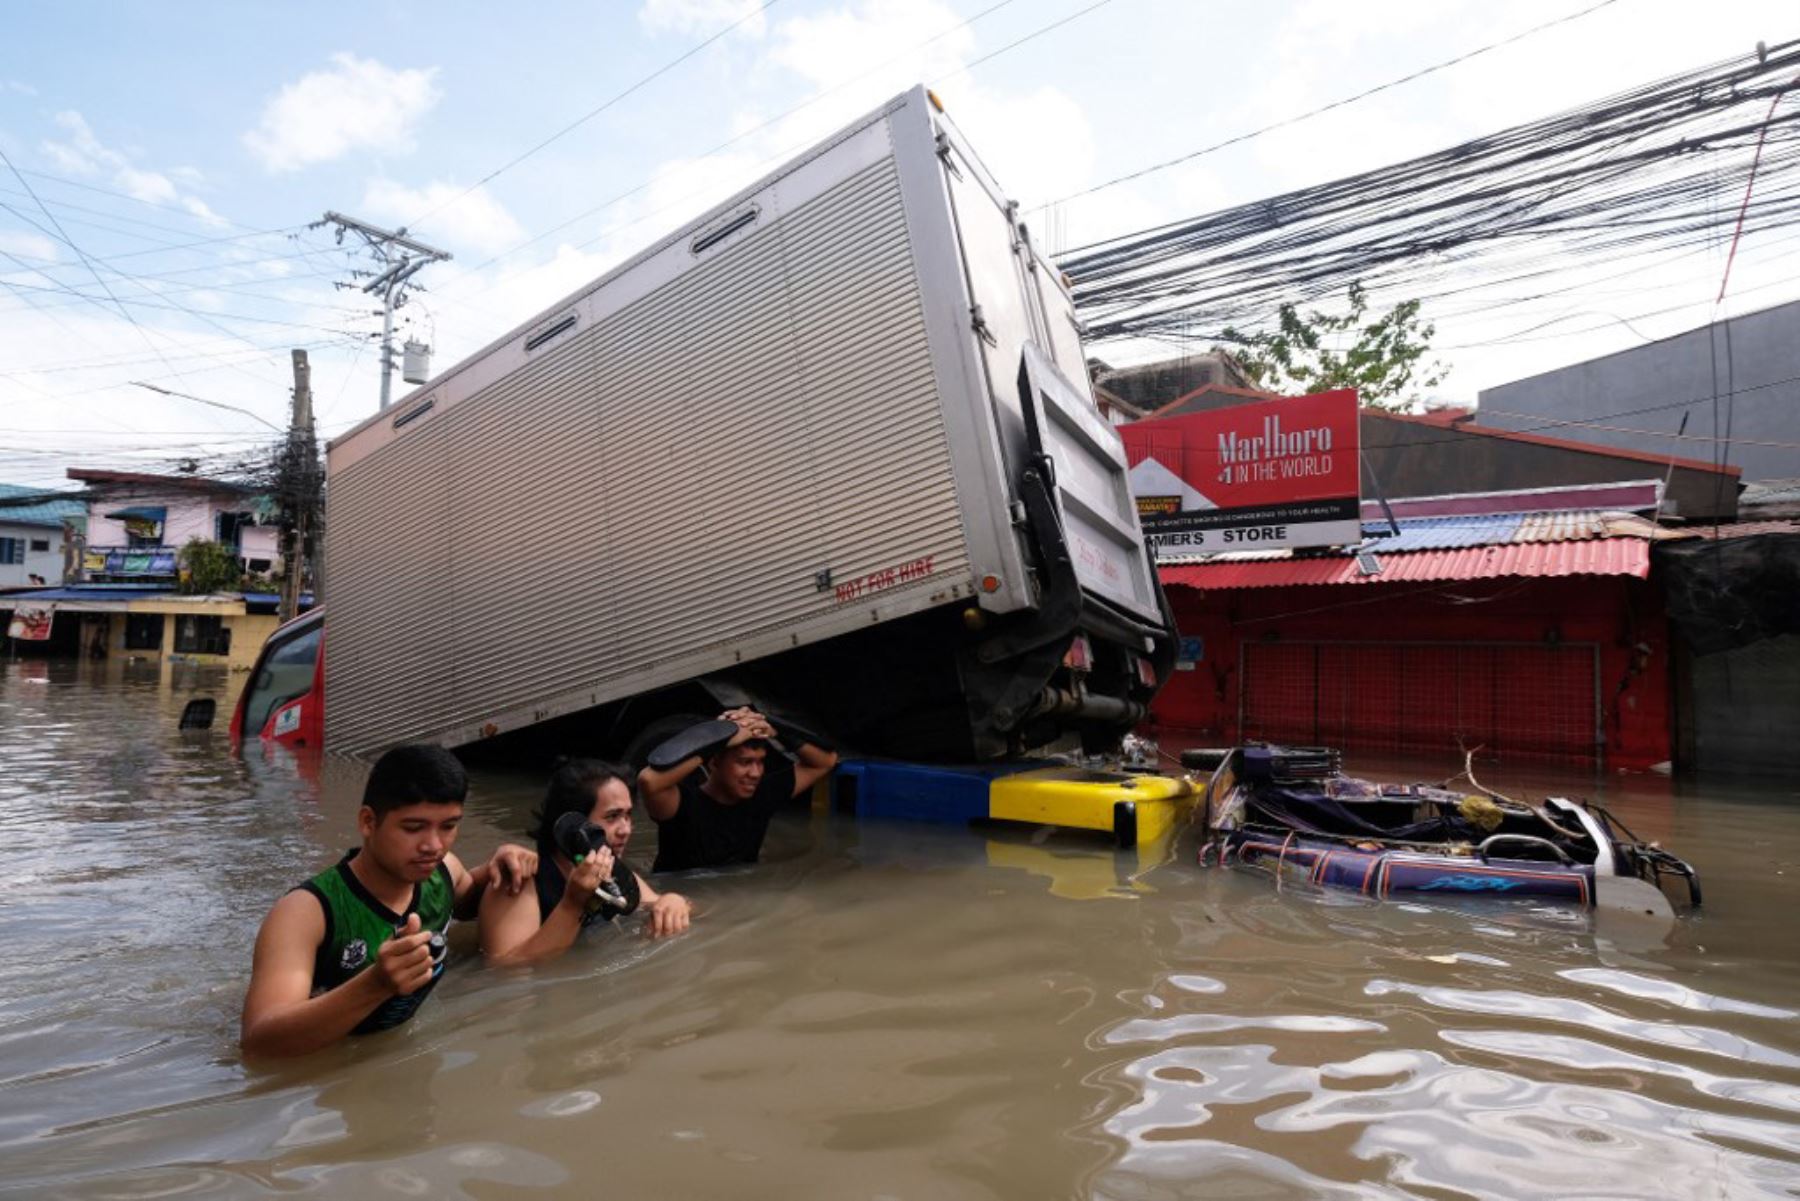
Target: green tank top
{"x": 356, "y": 924}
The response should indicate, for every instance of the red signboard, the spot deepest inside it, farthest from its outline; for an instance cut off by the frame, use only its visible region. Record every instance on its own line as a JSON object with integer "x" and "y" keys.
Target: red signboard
{"x": 1261, "y": 476}
{"x": 31, "y": 623}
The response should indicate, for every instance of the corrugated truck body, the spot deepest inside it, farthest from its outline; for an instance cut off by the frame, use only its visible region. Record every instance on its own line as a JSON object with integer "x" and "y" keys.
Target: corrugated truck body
{"x": 797, "y": 427}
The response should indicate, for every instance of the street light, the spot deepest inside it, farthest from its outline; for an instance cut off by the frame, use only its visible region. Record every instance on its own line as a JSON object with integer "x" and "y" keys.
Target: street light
{"x": 214, "y": 403}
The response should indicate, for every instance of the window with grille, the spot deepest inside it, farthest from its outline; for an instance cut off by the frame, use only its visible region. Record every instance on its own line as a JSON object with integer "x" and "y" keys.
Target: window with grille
{"x": 144, "y": 631}
{"x": 197, "y": 635}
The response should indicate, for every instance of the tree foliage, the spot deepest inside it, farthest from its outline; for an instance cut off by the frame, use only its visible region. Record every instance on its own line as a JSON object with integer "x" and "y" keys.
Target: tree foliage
{"x": 209, "y": 567}
{"x": 1383, "y": 359}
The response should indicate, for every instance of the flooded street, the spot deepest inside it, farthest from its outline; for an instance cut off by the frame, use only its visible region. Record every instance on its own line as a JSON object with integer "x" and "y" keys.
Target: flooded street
{"x": 879, "y": 1011}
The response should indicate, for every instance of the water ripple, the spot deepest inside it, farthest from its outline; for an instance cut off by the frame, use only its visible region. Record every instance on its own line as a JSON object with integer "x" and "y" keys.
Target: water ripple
{"x": 1568, "y": 1011}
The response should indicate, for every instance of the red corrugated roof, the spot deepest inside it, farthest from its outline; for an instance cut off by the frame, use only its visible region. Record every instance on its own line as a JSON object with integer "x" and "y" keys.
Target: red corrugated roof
{"x": 1598, "y": 556}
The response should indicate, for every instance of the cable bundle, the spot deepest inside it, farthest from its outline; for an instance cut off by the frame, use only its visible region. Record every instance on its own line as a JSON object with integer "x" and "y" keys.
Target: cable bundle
{"x": 1652, "y": 169}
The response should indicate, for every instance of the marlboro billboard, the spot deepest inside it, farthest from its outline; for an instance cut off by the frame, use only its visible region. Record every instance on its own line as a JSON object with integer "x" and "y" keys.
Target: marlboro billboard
{"x": 1263, "y": 476}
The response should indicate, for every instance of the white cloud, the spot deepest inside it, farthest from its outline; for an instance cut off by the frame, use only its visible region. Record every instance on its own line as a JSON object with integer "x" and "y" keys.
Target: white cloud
{"x": 199, "y": 208}
{"x": 476, "y": 221}
{"x": 704, "y": 17}
{"x": 828, "y": 48}
{"x": 21, "y": 87}
{"x": 147, "y": 185}
{"x": 27, "y": 245}
{"x": 1037, "y": 144}
{"x": 355, "y": 103}
{"x": 81, "y": 152}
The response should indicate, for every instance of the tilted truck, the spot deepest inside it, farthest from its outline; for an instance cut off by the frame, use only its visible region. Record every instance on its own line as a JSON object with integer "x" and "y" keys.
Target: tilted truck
{"x": 830, "y": 449}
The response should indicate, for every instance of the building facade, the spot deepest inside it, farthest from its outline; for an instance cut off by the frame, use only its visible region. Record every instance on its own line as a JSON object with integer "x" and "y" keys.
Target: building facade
{"x": 1735, "y": 385}
{"x": 122, "y": 622}
{"x": 35, "y": 529}
{"x": 137, "y": 524}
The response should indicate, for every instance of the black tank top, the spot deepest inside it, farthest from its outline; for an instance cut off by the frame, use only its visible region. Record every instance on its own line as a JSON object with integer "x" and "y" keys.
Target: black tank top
{"x": 550, "y": 883}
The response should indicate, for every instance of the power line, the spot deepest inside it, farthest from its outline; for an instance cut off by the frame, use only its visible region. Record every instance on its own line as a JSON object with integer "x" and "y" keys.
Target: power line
{"x": 592, "y": 113}
{"x": 65, "y": 290}
{"x": 816, "y": 98}
{"x": 1325, "y": 108}
{"x": 63, "y": 236}
{"x": 89, "y": 187}
{"x": 1633, "y": 174}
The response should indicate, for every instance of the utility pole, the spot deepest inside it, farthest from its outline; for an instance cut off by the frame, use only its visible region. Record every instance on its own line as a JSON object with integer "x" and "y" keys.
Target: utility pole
{"x": 400, "y": 258}
{"x": 299, "y": 491}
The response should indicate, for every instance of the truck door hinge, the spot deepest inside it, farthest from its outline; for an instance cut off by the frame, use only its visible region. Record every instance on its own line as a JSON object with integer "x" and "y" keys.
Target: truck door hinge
{"x": 944, "y": 151}
{"x": 979, "y": 324}
{"x": 1012, "y": 223}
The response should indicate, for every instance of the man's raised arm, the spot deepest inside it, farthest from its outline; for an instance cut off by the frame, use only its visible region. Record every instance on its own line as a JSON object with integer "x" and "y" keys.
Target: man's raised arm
{"x": 680, "y": 756}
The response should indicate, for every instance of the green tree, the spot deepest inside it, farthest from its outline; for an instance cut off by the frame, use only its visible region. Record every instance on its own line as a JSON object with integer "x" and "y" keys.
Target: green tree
{"x": 209, "y": 567}
{"x": 1317, "y": 351}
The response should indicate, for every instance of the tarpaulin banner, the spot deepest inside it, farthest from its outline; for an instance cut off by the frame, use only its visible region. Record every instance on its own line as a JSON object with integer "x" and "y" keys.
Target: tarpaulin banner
{"x": 31, "y": 623}
{"x": 1268, "y": 475}
{"x": 140, "y": 562}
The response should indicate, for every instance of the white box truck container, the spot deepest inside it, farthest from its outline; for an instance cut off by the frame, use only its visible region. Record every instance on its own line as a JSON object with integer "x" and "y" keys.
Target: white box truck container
{"x": 831, "y": 448}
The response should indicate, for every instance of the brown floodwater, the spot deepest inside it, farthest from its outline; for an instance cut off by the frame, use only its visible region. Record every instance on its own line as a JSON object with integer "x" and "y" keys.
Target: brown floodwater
{"x": 876, "y": 1011}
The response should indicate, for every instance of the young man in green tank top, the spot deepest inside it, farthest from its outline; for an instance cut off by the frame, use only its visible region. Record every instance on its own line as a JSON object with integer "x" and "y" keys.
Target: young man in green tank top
{"x": 358, "y": 947}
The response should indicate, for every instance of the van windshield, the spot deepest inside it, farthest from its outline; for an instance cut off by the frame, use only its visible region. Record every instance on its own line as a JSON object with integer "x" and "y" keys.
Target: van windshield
{"x": 285, "y": 673}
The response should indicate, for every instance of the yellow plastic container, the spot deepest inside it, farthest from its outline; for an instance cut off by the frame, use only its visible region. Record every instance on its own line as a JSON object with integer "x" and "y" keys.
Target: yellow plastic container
{"x": 1136, "y": 809}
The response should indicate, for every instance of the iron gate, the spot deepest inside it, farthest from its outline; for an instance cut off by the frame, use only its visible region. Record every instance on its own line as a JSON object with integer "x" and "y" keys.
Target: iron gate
{"x": 1515, "y": 699}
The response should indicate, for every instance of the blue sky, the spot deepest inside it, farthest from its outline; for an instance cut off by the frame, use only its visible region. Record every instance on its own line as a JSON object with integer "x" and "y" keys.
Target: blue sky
{"x": 175, "y": 153}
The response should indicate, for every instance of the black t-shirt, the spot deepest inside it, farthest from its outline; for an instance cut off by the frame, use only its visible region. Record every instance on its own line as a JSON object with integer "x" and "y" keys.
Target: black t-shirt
{"x": 704, "y": 833}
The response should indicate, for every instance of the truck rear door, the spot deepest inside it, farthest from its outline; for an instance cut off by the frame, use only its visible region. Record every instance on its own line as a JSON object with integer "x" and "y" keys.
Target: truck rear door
{"x": 1025, "y": 321}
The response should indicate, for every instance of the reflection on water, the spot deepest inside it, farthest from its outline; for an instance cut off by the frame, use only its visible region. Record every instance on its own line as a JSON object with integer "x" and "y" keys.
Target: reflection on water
{"x": 887, "y": 1011}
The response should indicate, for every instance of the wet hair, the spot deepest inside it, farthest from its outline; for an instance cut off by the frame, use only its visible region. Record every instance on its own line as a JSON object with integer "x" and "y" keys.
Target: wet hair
{"x": 414, "y": 774}
{"x": 574, "y": 784}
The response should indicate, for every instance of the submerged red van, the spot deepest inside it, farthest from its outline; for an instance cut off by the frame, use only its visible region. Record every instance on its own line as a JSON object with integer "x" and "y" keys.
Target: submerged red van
{"x": 284, "y": 701}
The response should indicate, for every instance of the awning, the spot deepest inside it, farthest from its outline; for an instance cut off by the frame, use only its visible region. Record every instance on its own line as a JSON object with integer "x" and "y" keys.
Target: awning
{"x": 1597, "y": 556}
{"x": 156, "y": 513}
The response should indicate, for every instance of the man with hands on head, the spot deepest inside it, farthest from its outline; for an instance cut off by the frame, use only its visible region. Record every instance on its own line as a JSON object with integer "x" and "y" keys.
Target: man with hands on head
{"x": 721, "y": 817}
{"x": 581, "y": 834}
{"x": 358, "y": 947}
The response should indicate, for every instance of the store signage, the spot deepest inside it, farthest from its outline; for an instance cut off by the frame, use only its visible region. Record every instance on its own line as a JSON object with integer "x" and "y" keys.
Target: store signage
{"x": 1269, "y": 475}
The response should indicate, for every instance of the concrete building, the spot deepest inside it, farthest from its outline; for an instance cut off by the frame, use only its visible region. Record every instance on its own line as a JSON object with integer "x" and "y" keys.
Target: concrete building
{"x": 1148, "y": 387}
{"x": 1736, "y": 383}
{"x": 1437, "y": 453}
{"x": 34, "y": 532}
{"x": 137, "y": 523}
{"x": 112, "y": 621}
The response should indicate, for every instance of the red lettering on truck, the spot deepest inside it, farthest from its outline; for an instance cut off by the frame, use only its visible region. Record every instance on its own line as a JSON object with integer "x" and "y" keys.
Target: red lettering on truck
{"x": 883, "y": 578}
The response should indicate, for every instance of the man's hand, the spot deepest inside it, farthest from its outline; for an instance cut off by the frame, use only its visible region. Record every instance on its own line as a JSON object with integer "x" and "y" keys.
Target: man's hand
{"x": 669, "y": 914}
{"x": 751, "y": 725}
{"x": 403, "y": 965}
{"x": 511, "y": 868}
{"x": 588, "y": 875}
